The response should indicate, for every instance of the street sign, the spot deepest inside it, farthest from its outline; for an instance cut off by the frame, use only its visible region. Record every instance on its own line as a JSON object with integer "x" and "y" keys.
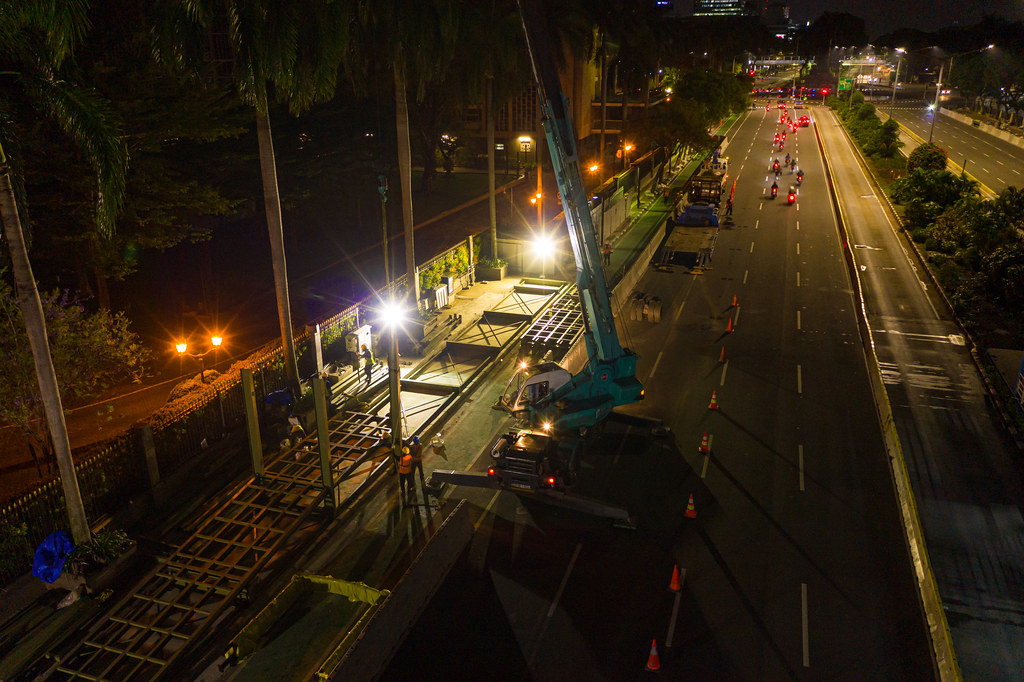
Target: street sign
{"x": 845, "y": 83}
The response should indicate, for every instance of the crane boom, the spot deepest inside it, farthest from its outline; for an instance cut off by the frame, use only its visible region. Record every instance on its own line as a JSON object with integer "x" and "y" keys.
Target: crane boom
{"x": 609, "y": 378}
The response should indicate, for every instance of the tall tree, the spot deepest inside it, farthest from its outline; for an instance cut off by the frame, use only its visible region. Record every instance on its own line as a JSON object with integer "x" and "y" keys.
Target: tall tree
{"x": 289, "y": 50}
{"x": 35, "y": 40}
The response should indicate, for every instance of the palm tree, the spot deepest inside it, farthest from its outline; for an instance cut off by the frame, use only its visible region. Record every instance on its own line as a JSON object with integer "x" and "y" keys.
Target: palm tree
{"x": 416, "y": 38}
{"x": 35, "y": 40}
{"x": 294, "y": 47}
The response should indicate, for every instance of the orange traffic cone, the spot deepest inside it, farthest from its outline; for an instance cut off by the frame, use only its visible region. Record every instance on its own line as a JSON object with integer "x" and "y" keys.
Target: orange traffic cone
{"x": 674, "y": 583}
{"x": 714, "y": 401}
{"x": 728, "y": 328}
{"x": 704, "y": 443}
{"x": 691, "y": 511}
{"x": 734, "y": 303}
{"x": 721, "y": 357}
{"x": 653, "y": 662}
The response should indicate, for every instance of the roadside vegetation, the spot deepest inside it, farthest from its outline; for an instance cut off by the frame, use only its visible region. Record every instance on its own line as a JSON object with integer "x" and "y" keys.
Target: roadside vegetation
{"x": 974, "y": 246}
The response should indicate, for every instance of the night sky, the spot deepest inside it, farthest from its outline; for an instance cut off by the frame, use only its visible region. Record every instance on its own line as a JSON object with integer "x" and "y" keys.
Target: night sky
{"x": 883, "y": 16}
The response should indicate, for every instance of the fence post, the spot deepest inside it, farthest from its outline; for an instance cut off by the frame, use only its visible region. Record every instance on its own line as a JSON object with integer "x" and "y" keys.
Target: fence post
{"x": 223, "y": 419}
{"x": 318, "y": 351}
{"x": 145, "y": 440}
{"x": 252, "y": 421}
{"x": 323, "y": 441}
{"x": 469, "y": 249}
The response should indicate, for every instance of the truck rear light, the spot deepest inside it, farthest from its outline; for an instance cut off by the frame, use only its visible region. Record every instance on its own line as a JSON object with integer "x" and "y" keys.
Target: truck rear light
{"x": 490, "y": 471}
{"x": 551, "y": 480}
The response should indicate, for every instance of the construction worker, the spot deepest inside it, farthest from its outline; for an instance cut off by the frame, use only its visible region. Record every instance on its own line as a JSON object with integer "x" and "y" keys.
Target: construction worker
{"x": 728, "y": 207}
{"x": 607, "y": 251}
{"x": 405, "y": 472}
{"x": 367, "y": 357}
{"x": 416, "y": 451}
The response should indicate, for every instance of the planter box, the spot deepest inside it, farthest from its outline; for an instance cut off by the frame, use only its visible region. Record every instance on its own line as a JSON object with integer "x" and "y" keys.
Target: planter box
{"x": 492, "y": 274}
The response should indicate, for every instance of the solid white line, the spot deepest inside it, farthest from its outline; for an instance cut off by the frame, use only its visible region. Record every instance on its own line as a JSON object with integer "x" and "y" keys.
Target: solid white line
{"x": 803, "y": 623}
{"x": 798, "y": 248}
{"x": 565, "y": 579}
{"x": 656, "y": 361}
{"x": 675, "y": 610}
{"x": 798, "y": 320}
{"x": 799, "y": 381}
{"x": 724, "y": 368}
{"x": 800, "y": 449}
{"x": 744, "y": 276}
{"x": 736, "y": 318}
{"x": 798, "y": 279}
{"x": 751, "y": 247}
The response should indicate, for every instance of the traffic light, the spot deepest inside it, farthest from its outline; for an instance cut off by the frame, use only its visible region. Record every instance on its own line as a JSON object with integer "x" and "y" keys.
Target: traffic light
{"x": 824, "y": 91}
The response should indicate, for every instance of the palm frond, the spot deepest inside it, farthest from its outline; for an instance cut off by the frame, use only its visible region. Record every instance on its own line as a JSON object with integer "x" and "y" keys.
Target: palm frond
{"x": 89, "y": 120}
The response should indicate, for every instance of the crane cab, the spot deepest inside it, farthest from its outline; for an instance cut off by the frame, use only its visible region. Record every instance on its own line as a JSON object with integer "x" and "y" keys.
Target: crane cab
{"x": 531, "y": 384}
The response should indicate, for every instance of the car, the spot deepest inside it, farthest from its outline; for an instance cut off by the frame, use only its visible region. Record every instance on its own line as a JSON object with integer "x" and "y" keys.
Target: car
{"x": 805, "y": 121}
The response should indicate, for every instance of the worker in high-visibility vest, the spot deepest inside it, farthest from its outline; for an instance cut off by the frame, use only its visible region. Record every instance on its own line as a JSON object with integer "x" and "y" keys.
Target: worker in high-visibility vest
{"x": 405, "y": 472}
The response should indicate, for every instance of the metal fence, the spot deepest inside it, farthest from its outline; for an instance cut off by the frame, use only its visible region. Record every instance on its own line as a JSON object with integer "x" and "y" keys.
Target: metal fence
{"x": 112, "y": 472}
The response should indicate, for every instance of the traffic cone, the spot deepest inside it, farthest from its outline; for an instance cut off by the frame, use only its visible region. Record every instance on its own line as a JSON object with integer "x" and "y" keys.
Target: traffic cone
{"x": 721, "y": 357}
{"x": 714, "y": 401}
{"x": 734, "y": 303}
{"x": 728, "y": 328}
{"x": 674, "y": 585}
{"x": 704, "y": 443}
{"x": 653, "y": 662}
{"x": 691, "y": 511}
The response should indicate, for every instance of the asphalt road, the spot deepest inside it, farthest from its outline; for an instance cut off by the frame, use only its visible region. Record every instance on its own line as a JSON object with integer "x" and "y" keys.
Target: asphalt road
{"x": 967, "y": 487}
{"x": 995, "y": 163}
{"x": 795, "y": 567}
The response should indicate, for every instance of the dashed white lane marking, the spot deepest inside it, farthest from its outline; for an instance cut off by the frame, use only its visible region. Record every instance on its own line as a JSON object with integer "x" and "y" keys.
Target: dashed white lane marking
{"x": 736, "y": 318}
{"x": 798, "y": 248}
{"x": 800, "y": 456}
{"x": 756, "y": 223}
{"x": 745, "y": 276}
{"x": 798, "y": 225}
{"x": 751, "y": 247}
{"x": 656, "y": 361}
{"x": 565, "y": 580}
{"x": 803, "y": 624}
{"x": 798, "y": 279}
{"x": 799, "y": 381}
{"x": 798, "y": 320}
{"x": 725, "y": 368}
{"x": 675, "y": 610}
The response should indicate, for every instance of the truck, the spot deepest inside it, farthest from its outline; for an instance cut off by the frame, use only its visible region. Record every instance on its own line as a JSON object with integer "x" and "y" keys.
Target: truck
{"x": 706, "y": 188}
{"x": 556, "y": 407}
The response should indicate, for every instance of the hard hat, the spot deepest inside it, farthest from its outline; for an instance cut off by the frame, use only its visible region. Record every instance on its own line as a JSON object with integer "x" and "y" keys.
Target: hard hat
{"x": 405, "y": 451}
{"x": 415, "y": 439}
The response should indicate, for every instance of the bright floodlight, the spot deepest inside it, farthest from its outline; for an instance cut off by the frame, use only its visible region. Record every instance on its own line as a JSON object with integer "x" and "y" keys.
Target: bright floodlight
{"x": 216, "y": 340}
{"x": 931, "y": 107}
{"x": 900, "y": 49}
{"x": 991, "y": 45}
{"x": 182, "y": 347}
{"x": 392, "y": 313}
{"x": 593, "y": 167}
{"x": 543, "y": 246}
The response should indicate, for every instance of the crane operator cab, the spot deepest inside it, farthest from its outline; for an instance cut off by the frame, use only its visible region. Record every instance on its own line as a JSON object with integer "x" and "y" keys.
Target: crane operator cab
{"x": 530, "y": 384}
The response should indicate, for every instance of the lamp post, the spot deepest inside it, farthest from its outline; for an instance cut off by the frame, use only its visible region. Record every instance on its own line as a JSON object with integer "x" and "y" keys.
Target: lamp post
{"x": 543, "y": 248}
{"x": 182, "y": 348}
{"x": 895, "y": 81}
{"x": 938, "y": 84}
{"x": 392, "y": 315}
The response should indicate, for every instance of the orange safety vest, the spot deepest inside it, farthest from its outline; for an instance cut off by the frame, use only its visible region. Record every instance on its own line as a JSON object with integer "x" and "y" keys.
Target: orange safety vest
{"x": 405, "y": 465}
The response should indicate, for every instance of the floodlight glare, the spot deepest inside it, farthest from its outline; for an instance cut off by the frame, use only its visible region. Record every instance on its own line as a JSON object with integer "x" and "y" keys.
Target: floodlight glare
{"x": 392, "y": 313}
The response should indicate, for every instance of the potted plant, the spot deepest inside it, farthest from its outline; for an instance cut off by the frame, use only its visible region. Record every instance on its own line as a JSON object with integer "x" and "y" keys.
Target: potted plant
{"x": 491, "y": 268}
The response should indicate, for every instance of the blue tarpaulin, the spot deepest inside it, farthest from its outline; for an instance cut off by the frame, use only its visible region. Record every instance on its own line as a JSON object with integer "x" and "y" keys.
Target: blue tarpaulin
{"x": 51, "y": 555}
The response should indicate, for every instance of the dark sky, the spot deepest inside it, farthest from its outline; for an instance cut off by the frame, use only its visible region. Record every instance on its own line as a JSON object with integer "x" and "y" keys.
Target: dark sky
{"x": 883, "y": 16}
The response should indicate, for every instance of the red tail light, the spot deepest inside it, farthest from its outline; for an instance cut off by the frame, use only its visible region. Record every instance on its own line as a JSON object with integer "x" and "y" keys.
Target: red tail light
{"x": 490, "y": 471}
{"x": 551, "y": 480}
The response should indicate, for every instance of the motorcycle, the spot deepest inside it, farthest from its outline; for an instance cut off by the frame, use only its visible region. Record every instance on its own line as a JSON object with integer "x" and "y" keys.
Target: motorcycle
{"x": 775, "y": 190}
{"x": 792, "y": 196}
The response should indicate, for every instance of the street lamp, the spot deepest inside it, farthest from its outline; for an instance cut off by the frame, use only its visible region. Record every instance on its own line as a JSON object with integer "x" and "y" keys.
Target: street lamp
{"x": 543, "y": 247}
{"x": 938, "y": 84}
{"x": 392, "y": 315}
{"x": 182, "y": 348}
{"x": 896, "y": 80}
